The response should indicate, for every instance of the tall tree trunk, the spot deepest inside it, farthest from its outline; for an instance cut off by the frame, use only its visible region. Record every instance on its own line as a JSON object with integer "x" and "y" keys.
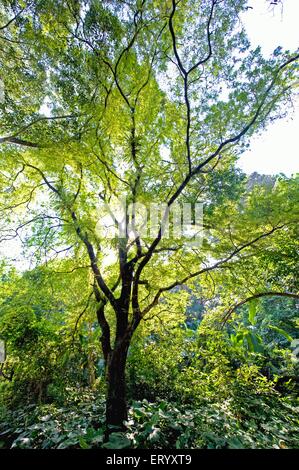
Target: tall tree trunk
{"x": 116, "y": 404}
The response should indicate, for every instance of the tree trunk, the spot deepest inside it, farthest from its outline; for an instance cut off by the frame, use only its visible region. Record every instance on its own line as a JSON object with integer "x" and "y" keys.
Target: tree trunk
{"x": 116, "y": 404}
{"x": 91, "y": 371}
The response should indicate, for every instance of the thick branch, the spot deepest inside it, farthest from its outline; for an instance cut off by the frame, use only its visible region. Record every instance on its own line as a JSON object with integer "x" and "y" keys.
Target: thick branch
{"x": 14, "y": 18}
{"x": 94, "y": 266}
{"x": 22, "y": 142}
{"x": 208, "y": 56}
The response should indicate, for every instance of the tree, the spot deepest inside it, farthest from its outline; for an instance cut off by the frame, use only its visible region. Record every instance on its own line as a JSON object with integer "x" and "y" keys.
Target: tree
{"x": 148, "y": 100}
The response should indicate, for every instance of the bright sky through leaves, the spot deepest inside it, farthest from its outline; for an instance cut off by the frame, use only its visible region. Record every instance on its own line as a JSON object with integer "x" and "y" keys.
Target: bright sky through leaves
{"x": 276, "y": 149}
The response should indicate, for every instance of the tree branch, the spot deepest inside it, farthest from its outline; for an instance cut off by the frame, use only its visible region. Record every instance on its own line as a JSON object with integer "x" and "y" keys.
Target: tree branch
{"x": 257, "y": 296}
{"x": 207, "y": 269}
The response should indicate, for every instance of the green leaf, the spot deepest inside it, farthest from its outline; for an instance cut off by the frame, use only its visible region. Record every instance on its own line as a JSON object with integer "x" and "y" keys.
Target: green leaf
{"x": 83, "y": 444}
{"x": 235, "y": 443}
{"x": 282, "y": 332}
{"x": 252, "y": 311}
{"x": 117, "y": 440}
{"x": 254, "y": 342}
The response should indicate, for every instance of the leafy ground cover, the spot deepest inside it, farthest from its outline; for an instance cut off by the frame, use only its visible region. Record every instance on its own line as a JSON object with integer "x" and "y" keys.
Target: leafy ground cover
{"x": 264, "y": 424}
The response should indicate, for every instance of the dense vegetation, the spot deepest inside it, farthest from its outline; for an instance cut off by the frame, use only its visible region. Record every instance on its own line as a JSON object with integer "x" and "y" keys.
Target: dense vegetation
{"x": 139, "y": 339}
{"x": 189, "y": 384}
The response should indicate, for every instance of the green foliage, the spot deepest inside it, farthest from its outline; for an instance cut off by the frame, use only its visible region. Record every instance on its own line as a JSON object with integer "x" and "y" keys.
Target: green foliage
{"x": 110, "y": 99}
{"x": 47, "y": 426}
{"x": 191, "y": 387}
{"x": 41, "y": 343}
{"x": 254, "y": 423}
{"x": 282, "y": 332}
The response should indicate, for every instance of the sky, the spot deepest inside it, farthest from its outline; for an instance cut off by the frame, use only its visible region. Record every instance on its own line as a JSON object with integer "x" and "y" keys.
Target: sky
{"x": 276, "y": 150}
